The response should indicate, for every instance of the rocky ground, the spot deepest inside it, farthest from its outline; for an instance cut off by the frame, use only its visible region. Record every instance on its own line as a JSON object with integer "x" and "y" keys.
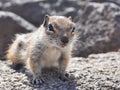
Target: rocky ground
{"x": 97, "y": 72}
{"x": 97, "y": 31}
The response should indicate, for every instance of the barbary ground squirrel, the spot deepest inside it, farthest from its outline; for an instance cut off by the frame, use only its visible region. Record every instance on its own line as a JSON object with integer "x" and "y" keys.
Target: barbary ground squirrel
{"x": 48, "y": 46}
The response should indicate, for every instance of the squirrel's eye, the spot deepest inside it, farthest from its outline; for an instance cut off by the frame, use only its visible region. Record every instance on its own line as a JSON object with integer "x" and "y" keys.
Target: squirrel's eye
{"x": 73, "y": 29}
{"x": 51, "y": 27}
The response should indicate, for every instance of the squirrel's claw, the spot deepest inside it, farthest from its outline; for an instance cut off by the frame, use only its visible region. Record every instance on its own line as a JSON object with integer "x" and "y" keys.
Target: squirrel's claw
{"x": 37, "y": 82}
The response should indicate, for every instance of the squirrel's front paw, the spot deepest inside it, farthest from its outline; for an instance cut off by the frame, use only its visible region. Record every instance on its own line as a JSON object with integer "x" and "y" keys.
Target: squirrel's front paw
{"x": 37, "y": 82}
{"x": 64, "y": 77}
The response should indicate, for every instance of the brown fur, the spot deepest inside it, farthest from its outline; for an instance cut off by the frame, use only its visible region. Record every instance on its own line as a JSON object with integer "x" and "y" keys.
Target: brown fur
{"x": 44, "y": 48}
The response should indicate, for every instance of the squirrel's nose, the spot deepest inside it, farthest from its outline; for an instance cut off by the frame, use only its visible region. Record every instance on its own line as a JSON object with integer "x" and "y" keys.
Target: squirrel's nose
{"x": 64, "y": 39}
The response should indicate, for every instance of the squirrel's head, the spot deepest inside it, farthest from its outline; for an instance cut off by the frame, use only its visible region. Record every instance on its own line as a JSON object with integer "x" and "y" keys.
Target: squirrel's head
{"x": 60, "y": 29}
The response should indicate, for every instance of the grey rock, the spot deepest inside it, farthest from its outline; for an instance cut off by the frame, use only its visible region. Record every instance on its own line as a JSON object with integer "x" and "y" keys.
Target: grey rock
{"x": 86, "y": 75}
{"x": 10, "y": 24}
{"x": 34, "y": 11}
{"x": 98, "y": 29}
{"x": 117, "y": 2}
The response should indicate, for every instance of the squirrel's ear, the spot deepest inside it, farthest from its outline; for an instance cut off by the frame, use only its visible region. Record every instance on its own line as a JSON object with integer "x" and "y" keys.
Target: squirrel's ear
{"x": 70, "y": 17}
{"x": 46, "y": 20}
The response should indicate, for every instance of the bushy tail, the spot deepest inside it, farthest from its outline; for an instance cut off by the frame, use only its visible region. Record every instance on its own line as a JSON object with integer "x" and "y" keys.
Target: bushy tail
{"x": 13, "y": 52}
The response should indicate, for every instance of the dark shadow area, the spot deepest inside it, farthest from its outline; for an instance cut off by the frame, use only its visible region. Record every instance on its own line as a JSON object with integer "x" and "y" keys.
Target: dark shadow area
{"x": 51, "y": 79}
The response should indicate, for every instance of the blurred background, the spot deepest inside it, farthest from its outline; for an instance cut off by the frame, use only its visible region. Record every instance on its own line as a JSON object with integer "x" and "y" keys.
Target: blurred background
{"x": 97, "y": 22}
{"x": 97, "y": 31}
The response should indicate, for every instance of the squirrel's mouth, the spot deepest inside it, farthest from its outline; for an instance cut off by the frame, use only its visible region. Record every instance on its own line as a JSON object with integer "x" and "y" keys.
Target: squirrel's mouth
{"x": 59, "y": 43}
{"x": 64, "y": 44}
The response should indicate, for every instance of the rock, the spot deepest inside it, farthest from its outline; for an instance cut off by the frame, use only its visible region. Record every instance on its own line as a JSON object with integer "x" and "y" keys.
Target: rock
{"x": 34, "y": 11}
{"x": 117, "y": 2}
{"x": 98, "y": 29}
{"x": 10, "y": 24}
{"x": 86, "y": 75}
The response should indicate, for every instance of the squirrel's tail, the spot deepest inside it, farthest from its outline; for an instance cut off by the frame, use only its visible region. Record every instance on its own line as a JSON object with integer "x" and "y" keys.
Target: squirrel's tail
{"x": 13, "y": 52}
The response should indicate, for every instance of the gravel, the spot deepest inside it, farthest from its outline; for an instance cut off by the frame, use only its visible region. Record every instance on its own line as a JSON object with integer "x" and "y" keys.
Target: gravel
{"x": 96, "y": 72}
